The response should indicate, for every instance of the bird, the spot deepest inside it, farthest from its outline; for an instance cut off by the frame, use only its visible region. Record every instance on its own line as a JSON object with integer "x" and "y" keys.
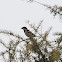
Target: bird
{"x": 28, "y": 33}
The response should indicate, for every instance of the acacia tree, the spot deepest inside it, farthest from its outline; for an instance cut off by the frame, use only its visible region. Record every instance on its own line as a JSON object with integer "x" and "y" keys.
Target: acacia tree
{"x": 33, "y": 49}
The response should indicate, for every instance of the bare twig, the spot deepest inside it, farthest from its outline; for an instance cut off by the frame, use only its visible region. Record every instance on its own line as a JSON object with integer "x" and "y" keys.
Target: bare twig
{"x": 52, "y": 8}
{"x": 3, "y": 44}
{"x": 10, "y": 33}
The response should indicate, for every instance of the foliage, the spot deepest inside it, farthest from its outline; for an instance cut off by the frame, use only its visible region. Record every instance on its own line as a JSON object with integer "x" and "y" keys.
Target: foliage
{"x": 35, "y": 49}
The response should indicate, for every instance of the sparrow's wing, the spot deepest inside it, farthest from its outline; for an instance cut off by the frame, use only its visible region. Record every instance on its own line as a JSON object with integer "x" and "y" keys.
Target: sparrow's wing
{"x": 30, "y": 33}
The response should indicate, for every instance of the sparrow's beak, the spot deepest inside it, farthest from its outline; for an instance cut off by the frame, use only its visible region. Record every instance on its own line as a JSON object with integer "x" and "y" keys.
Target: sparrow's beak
{"x": 22, "y": 28}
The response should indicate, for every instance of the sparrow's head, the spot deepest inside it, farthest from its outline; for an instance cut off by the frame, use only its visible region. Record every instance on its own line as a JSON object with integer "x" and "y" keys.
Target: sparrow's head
{"x": 24, "y": 28}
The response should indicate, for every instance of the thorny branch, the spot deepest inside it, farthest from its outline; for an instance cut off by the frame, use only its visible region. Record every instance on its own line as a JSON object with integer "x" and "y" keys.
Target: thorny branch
{"x": 10, "y": 33}
{"x": 3, "y": 44}
{"x": 55, "y": 9}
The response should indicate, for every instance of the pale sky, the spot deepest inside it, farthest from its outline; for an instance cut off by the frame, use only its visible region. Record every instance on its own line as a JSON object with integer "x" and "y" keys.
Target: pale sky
{"x": 15, "y": 13}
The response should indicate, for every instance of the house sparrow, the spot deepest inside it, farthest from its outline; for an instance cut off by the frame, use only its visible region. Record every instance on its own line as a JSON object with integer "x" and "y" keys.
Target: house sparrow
{"x": 28, "y": 33}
